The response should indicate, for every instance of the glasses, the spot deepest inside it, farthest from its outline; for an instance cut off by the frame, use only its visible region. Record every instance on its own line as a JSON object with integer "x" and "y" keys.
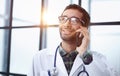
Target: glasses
{"x": 73, "y": 20}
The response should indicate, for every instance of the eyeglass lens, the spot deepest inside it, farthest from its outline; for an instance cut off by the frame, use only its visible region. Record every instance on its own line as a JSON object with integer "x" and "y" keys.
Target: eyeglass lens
{"x": 73, "y": 20}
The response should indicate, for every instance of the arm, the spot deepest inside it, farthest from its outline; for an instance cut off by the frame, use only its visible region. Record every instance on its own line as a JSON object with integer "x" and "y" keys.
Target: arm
{"x": 82, "y": 49}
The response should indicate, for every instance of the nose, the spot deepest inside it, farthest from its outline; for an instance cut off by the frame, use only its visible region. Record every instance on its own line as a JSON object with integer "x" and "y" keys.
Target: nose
{"x": 67, "y": 24}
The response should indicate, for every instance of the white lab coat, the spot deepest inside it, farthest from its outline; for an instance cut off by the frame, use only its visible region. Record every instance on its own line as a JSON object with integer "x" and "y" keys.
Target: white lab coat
{"x": 44, "y": 61}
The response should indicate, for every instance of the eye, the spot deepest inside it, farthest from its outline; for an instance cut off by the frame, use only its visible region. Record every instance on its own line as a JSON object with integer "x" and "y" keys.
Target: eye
{"x": 74, "y": 20}
{"x": 62, "y": 19}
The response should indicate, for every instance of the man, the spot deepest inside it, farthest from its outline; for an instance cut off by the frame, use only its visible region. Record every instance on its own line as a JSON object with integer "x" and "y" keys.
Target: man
{"x": 71, "y": 57}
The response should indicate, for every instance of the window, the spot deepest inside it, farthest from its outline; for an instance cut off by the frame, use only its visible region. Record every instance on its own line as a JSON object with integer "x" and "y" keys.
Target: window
{"x": 3, "y": 49}
{"x": 104, "y": 30}
{"x": 20, "y": 35}
{"x": 105, "y": 10}
{"x": 26, "y": 12}
{"x": 106, "y": 40}
{"x": 54, "y": 10}
{"x": 24, "y": 44}
{"x": 2, "y": 13}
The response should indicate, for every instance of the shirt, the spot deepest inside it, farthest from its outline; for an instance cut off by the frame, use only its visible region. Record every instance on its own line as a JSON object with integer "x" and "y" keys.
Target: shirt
{"x": 68, "y": 58}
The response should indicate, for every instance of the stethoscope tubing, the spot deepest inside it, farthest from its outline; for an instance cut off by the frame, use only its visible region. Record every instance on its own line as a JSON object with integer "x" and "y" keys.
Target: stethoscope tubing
{"x": 55, "y": 58}
{"x": 83, "y": 71}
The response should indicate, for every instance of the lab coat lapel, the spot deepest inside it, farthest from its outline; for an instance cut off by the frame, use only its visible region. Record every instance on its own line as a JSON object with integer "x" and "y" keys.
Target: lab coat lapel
{"x": 77, "y": 63}
{"x": 60, "y": 64}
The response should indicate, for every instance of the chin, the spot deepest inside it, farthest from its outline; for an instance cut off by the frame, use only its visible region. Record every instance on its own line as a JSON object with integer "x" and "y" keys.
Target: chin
{"x": 66, "y": 38}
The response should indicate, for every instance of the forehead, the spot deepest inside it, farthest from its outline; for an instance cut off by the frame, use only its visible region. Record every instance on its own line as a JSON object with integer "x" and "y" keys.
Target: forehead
{"x": 72, "y": 12}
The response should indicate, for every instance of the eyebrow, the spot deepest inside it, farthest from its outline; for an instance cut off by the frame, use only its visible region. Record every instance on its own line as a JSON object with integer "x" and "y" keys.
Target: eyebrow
{"x": 71, "y": 17}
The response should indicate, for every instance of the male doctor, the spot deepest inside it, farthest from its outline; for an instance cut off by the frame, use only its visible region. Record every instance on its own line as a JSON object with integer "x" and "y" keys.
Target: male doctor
{"x": 71, "y": 57}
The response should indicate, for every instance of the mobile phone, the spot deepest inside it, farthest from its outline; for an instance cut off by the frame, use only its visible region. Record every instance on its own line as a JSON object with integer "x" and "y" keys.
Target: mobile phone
{"x": 79, "y": 38}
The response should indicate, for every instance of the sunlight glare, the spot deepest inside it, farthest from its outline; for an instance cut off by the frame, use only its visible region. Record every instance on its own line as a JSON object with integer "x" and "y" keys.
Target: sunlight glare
{"x": 49, "y": 18}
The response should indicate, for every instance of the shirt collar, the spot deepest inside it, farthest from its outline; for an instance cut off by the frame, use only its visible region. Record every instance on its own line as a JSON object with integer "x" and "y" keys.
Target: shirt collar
{"x": 64, "y": 53}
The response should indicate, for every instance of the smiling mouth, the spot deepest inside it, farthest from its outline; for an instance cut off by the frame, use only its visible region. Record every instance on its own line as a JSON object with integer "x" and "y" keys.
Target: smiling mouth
{"x": 66, "y": 32}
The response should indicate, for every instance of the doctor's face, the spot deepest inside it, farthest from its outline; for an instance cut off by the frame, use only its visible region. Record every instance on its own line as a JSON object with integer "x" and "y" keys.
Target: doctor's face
{"x": 70, "y": 22}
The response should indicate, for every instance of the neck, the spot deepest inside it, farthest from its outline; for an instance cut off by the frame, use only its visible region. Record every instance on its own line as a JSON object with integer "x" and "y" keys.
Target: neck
{"x": 68, "y": 46}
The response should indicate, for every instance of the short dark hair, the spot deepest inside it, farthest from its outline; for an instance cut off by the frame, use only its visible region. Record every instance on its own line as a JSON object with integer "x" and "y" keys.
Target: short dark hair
{"x": 85, "y": 17}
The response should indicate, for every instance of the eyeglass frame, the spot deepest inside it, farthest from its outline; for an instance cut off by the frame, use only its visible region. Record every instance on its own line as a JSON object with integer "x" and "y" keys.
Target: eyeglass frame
{"x": 70, "y": 19}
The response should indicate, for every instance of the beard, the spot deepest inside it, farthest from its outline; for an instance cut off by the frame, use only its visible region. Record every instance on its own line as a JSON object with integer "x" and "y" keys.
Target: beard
{"x": 68, "y": 37}
{"x": 73, "y": 38}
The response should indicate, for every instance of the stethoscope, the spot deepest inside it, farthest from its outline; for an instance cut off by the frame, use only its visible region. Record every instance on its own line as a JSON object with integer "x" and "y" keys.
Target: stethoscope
{"x": 83, "y": 72}
{"x": 54, "y": 72}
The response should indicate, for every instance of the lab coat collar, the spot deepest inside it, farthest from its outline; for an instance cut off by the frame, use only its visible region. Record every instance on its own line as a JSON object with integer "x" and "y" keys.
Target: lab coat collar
{"x": 77, "y": 63}
{"x": 60, "y": 64}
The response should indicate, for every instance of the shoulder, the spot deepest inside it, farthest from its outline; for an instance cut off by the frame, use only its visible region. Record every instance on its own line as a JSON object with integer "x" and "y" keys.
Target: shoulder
{"x": 99, "y": 59}
{"x": 40, "y": 53}
{"x": 97, "y": 55}
{"x": 44, "y": 53}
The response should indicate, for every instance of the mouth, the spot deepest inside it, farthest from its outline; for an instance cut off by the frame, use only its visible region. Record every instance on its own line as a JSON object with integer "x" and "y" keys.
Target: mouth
{"x": 66, "y": 32}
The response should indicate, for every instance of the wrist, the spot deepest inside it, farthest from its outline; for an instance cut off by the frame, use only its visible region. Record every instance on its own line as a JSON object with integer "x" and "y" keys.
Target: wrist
{"x": 87, "y": 57}
{"x": 81, "y": 51}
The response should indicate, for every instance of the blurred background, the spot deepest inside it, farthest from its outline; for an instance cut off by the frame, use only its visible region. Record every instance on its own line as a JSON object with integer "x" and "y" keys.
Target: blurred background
{"x": 27, "y": 26}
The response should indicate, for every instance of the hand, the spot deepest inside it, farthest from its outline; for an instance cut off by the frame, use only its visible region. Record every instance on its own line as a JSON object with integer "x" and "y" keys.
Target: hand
{"x": 85, "y": 41}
